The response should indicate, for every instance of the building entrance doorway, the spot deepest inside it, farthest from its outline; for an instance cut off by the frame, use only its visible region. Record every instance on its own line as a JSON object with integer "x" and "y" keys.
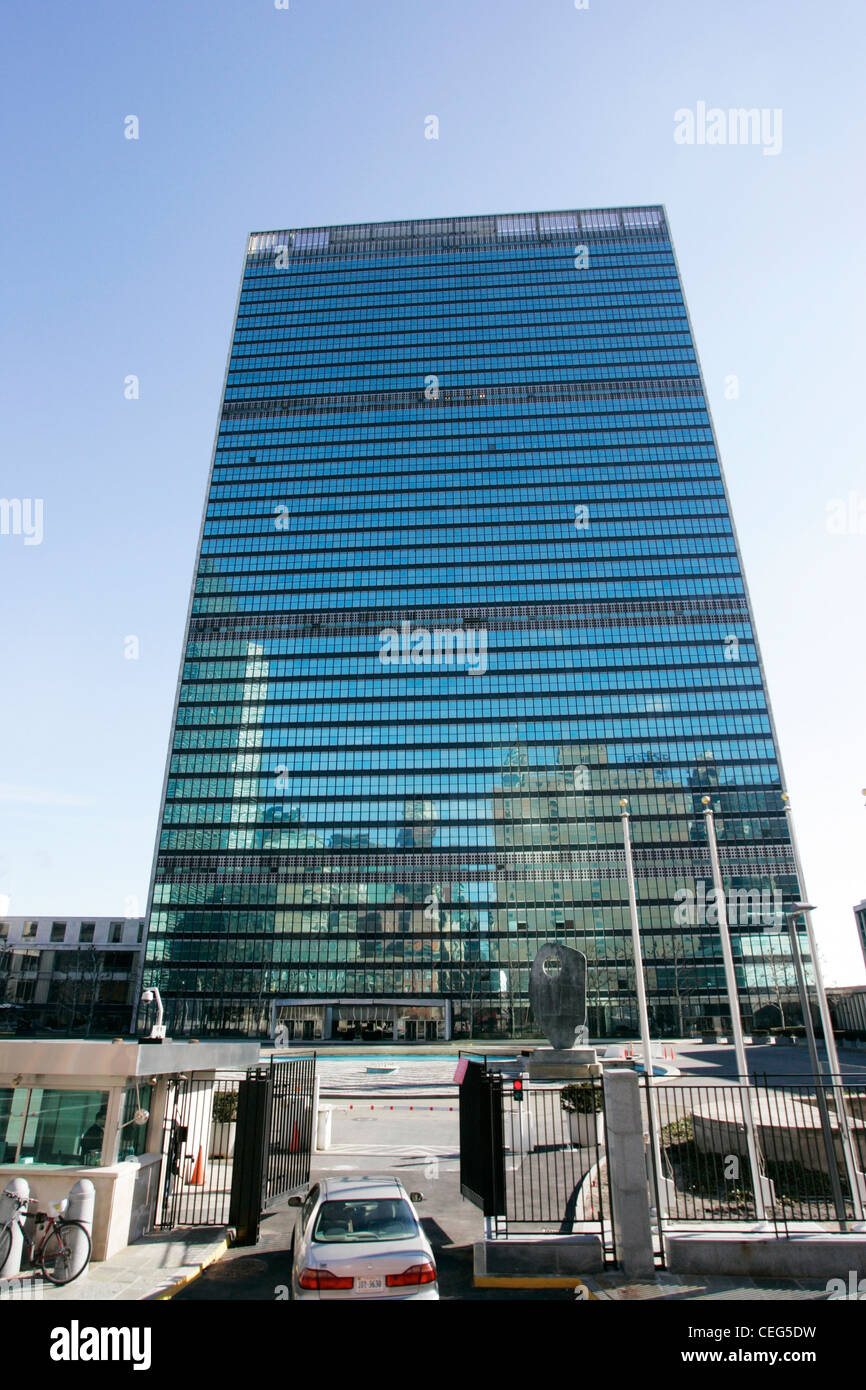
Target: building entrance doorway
{"x": 362, "y": 1020}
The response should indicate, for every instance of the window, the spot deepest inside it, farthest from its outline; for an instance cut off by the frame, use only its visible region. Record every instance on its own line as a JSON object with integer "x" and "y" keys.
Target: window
{"x": 515, "y": 226}
{"x": 86, "y": 933}
{"x": 4, "y": 931}
{"x": 58, "y": 931}
{"x": 117, "y": 962}
{"x": 115, "y": 932}
{"x": 29, "y": 932}
{"x": 346, "y": 1222}
{"x": 139, "y": 936}
{"x": 559, "y": 222}
{"x": 133, "y": 1137}
{"x": 311, "y": 239}
{"x": 61, "y": 1127}
{"x": 600, "y": 221}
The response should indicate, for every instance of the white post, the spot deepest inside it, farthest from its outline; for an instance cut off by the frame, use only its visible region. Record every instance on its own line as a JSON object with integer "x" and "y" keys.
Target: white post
{"x": 855, "y": 1176}
{"x": 82, "y": 1200}
{"x": 736, "y": 1020}
{"x": 9, "y": 1206}
{"x": 643, "y": 1015}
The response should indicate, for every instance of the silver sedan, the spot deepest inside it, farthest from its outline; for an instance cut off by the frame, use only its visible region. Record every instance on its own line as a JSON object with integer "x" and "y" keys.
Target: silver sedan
{"x": 361, "y": 1238}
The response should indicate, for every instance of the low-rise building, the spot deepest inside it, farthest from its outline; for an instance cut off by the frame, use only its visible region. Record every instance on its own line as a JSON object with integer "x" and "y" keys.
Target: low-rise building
{"x": 848, "y": 1011}
{"x": 73, "y": 975}
{"x": 860, "y": 918}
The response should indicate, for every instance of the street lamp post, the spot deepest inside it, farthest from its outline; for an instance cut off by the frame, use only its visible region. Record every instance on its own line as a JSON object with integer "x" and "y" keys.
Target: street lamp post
{"x": 800, "y": 909}
{"x": 736, "y": 1021}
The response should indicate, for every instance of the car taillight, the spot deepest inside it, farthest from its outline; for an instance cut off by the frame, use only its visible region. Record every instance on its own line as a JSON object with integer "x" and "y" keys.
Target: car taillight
{"x": 323, "y": 1279}
{"x": 415, "y": 1274}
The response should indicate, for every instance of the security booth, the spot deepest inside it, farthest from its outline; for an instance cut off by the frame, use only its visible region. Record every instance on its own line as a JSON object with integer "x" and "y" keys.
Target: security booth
{"x": 72, "y": 1108}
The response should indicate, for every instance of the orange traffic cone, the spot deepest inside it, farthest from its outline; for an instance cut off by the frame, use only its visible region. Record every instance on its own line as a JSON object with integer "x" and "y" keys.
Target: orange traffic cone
{"x": 196, "y": 1177}
{"x": 296, "y": 1140}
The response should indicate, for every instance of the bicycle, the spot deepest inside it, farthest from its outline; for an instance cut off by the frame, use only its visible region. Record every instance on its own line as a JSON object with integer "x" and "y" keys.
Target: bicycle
{"x": 61, "y": 1252}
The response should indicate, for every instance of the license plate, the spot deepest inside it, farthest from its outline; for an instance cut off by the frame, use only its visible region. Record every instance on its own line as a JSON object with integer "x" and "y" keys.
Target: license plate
{"x": 369, "y": 1285}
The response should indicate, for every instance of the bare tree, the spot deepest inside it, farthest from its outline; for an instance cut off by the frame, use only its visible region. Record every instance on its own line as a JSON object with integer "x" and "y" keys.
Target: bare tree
{"x": 93, "y": 972}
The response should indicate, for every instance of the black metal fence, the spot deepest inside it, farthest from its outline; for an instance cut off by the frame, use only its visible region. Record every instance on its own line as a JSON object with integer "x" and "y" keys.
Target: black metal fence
{"x": 798, "y": 1131}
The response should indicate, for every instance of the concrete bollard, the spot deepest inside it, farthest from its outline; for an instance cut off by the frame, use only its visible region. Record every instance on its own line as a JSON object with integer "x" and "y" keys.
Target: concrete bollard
{"x": 628, "y": 1174}
{"x": 323, "y": 1128}
{"x": 82, "y": 1199}
{"x": 8, "y": 1207}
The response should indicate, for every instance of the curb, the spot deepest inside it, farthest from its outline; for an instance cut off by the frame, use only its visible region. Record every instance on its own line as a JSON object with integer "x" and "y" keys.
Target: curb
{"x": 215, "y": 1254}
{"x": 533, "y": 1281}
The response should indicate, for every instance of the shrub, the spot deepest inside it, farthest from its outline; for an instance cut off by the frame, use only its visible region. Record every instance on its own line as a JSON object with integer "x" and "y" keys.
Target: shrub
{"x": 225, "y": 1107}
{"x": 581, "y": 1098}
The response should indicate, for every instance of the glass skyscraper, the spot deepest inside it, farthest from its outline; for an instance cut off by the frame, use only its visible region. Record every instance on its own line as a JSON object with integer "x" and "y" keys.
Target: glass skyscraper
{"x": 467, "y": 576}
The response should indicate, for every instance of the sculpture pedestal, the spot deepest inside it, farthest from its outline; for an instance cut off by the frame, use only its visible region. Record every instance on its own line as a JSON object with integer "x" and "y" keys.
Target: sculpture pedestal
{"x": 563, "y": 1064}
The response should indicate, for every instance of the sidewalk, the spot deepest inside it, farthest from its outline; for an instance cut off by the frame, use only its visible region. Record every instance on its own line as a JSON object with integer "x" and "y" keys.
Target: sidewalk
{"x": 735, "y": 1288}
{"x": 155, "y": 1267}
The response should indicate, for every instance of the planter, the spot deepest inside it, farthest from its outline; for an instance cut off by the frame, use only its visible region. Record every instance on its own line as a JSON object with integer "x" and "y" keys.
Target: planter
{"x": 587, "y": 1131}
{"x": 222, "y": 1140}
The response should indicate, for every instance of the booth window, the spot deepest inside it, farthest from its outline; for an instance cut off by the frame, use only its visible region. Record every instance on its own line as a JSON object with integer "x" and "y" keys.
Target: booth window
{"x": 57, "y": 1127}
{"x": 133, "y": 1138}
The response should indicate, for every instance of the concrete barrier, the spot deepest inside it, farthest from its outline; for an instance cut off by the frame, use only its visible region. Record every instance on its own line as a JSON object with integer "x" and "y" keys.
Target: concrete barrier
{"x": 812, "y": 1255}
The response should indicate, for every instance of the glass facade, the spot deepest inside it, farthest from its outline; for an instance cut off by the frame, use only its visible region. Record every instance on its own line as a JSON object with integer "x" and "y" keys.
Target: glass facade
{"x": 467, "y": 576}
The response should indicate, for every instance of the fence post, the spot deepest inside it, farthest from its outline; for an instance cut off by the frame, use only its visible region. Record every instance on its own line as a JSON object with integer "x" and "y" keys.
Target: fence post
{"x": 626, "y": 1158}
{"x": 250, "y": 1156}
{"x": 8, "y": 1207}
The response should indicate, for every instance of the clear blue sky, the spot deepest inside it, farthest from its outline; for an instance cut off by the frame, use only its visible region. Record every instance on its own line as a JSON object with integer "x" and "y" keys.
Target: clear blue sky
{"x": 124, "y": 257}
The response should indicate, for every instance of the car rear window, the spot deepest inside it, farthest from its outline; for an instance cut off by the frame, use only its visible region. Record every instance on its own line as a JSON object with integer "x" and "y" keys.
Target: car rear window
{"x": 386, "y": 1219}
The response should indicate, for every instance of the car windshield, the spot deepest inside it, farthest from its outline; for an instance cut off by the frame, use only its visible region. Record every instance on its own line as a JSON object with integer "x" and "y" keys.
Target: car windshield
{"x": 384, "y": 1219}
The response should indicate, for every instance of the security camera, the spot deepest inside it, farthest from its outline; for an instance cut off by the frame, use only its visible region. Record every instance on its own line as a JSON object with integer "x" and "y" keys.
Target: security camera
{"x": 150, "y": 996}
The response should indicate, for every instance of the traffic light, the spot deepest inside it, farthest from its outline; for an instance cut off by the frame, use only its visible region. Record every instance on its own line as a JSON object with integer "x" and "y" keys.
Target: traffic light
{"x": 518, "y": 1089}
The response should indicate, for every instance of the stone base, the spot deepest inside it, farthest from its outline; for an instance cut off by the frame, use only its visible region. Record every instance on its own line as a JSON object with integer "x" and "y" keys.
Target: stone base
{"x": 571, "y": 1064}
{"x": 812, "y": 1255}
{"x": 536, "y": 1261}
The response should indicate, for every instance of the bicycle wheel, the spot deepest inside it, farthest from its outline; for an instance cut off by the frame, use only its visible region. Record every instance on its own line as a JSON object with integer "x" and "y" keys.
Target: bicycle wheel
{"x": 66, "y": 1252}
{"x": 5, "y": 1244}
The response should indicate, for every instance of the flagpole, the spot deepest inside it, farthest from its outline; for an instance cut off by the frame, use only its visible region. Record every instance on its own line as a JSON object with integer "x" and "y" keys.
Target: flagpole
{"x": 736, "y": 1020}
{"x": 643, "y": 1015}
{"x": 855, "y": 1177}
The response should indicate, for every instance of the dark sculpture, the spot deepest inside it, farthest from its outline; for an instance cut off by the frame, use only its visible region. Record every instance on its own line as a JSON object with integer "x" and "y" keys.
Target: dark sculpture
{"x": 557, "y": 993}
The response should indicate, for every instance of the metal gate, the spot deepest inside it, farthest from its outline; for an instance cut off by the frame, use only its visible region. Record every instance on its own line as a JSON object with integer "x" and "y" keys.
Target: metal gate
{"x": 556, "y": 1174}
{"x": 235, "y": 1144}
{"x": 532, "y": 1157}
{"x": 482, "y": 1171}
{"x": 199, "y": 1137}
